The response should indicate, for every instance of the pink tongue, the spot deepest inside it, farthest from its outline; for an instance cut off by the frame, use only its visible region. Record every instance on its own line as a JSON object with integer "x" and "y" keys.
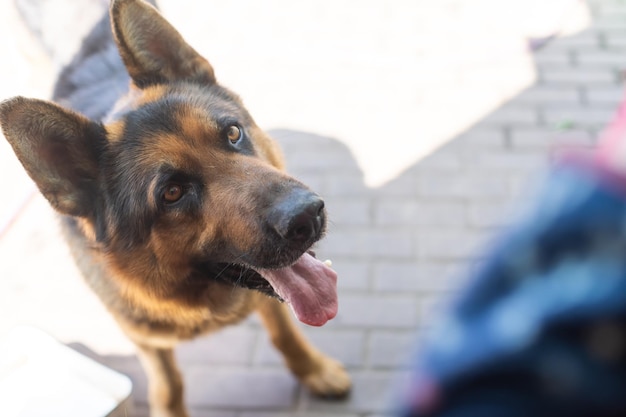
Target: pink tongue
{"x": 309, "y": 286}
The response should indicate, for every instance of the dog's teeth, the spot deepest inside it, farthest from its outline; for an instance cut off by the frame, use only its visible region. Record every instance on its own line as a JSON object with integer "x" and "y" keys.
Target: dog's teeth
{"x": 328, "y": 263}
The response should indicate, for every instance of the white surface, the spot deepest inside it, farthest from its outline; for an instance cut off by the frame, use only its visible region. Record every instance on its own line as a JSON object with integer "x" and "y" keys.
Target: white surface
{"x": 39, "y": 377}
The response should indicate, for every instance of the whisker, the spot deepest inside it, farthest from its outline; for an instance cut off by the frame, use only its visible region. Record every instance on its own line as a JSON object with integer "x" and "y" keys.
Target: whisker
{"x": 228, "y": 265}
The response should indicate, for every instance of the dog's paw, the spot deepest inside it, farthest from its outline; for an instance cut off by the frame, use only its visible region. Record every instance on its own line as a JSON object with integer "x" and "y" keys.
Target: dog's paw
{"x": 329, "y": 379}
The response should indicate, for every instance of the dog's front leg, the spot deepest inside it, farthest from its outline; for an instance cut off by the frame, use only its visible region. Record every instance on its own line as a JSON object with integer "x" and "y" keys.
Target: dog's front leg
{"x": 165, "y": 385}
{"x": 323, "y": 375}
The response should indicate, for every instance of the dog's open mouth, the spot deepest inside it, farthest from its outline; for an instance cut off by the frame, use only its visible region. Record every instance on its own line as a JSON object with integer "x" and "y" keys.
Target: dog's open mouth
{"x": 309, "y": 286}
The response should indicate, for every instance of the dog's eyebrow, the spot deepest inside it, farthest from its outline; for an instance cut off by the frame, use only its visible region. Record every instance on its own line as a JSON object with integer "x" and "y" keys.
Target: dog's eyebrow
{"x": 151, "y": 119}
{"x": 227, "y": 120}
{"x": 167, "y": 172}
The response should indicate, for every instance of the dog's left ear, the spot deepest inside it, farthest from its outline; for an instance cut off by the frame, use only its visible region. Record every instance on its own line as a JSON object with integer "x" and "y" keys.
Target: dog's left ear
{"x": 59, "y": 149}
{"x": 152, "y": 50}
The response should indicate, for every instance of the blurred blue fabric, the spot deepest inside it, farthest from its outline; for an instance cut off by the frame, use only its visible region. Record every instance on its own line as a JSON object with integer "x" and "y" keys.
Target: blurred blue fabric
{"x": 541, "y": 329}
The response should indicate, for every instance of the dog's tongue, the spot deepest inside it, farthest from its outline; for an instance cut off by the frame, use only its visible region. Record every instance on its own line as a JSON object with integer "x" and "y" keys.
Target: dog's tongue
{"x": 310, "y": 288}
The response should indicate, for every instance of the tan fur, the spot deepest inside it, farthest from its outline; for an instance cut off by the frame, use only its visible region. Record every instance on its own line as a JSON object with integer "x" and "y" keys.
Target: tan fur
{"x": 152, "y": 301}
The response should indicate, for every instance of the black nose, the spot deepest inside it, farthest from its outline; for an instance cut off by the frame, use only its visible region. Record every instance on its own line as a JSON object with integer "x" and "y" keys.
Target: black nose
{"x": 300, "y": 217}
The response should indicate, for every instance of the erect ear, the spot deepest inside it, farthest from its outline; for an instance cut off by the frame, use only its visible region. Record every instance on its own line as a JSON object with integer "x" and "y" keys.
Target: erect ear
{"x": 58, "y": 148}
{"x": 152, "y": 50}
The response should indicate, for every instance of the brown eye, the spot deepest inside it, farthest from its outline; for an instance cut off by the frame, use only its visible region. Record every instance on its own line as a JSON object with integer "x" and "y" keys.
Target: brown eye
{"x": 173, "y": 193}
{"x": 233, "y": 133}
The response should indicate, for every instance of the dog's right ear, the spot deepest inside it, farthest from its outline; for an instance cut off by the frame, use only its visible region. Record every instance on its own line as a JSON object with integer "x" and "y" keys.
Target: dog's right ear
{"x": 152, "y": 50}
{"x": 58, "y": 148}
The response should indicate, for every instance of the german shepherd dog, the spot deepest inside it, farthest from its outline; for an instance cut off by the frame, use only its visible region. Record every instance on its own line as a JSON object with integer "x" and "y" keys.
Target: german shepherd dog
{"x": 175, "y": 205}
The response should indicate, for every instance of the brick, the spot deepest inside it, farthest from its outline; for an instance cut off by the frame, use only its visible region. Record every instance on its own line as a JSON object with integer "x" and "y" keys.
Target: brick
{"x": 360, "y": 243}
{"x": 524, "y": 188}
{"x": 314, "y": 180}
{"x": 402, "y": 186}
{"x": 445, "y": 161}
{"x": 391, "y": 349}
{"x": 396, "y": 277}
{"x": 463, "y": 186}
{"x": 352, "y": 275}
{"x": 451, "y": 245}
{"x": 612, "y": 8}
{"x": 576, "y": 76}
{"x": 377, "y": 311}
{"x": 347, "y": 346}
{"x": 534, "y": 138}
{"x": 481, "y": 138}
{"x": 543, "y": 139}
{"x": 232, "y": 346}
{"x": 402, "y": 277}
{"x": 511, "y": 116}
{"x": 606, "y": 59}
{"x": 316, "y": 161}
{"x": 508, "y": 161}
{"x": 489, "y": 214}
{"x": 406, "y": 212}
{"x": 346, "y": 185}
{"x": 354, "y": 211}
{"x": 615, "y": 40}
{"x": 547, "y": 94}
{"x": 607, "y": 96}
{"x": 574, "y": 137}
{"x": 294, "y": 140}
{"x": 552, "y": 57}
{"x": 432, "y": 308}
{"x": 581, "y": 40}
{"x": 609, "y": 23}
{"x": 579, "y": 116}
{"x": 239, "y": 388}
{"x": 372, "y": 392}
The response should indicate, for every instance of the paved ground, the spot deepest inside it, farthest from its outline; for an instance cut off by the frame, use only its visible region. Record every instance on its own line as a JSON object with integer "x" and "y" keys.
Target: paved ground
{"x": 421, "y": 123}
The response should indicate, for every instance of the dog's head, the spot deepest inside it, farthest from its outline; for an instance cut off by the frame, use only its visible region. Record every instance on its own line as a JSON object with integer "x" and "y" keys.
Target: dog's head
{"x": 180, "y": 185}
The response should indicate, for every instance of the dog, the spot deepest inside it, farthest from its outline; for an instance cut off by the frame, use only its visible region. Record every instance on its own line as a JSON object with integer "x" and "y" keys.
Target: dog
{"x": 175, "y": 204}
